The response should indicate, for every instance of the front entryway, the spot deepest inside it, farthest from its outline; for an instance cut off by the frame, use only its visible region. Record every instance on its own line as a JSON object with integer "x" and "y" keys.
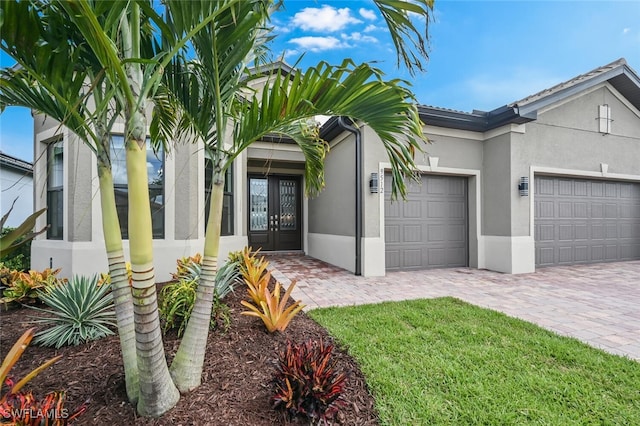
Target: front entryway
{"x": 275, "y": 212}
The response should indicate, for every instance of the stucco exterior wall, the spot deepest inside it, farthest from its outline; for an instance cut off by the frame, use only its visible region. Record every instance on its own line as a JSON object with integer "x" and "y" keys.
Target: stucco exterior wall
{"x": 333, "y": 210}
{"x": 496, "y": 186}
{"x": 332, "y": 214}
{"x": 78, "y": 189}
{"x": 189, "y": 159}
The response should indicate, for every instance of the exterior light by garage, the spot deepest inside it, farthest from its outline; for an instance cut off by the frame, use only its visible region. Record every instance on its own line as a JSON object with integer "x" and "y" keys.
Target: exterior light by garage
{"x": 373, "y": 183}
{"x": 523, "y": 186}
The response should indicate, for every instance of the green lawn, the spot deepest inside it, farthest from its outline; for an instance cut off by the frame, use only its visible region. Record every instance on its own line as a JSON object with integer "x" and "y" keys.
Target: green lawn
{"x": 443, "y": 361}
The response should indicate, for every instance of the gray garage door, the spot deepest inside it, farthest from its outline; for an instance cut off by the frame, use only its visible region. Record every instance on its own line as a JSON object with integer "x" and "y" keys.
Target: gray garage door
{"x": 586, "y": 221}
{"x": 429, "y": 230}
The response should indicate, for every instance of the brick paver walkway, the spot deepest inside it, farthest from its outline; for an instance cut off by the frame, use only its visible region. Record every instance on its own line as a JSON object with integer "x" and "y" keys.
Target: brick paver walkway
{"x": 598, "y": 304}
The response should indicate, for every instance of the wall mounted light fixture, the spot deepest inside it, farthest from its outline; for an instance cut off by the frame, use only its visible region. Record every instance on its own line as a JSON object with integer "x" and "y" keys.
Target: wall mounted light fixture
{"x": 373, "y": 183}
{"x": 523, "y": 186}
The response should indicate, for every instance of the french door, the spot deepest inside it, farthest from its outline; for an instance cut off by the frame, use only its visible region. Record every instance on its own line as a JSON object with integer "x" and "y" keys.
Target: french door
{"x": 275, "y": 212}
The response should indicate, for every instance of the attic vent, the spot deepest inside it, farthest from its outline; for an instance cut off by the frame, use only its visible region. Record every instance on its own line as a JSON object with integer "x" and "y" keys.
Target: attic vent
{"x": 604, "y": 118}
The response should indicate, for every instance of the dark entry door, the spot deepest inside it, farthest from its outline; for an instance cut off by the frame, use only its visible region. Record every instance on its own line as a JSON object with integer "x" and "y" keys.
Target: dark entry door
{"x": 275, "y": 213}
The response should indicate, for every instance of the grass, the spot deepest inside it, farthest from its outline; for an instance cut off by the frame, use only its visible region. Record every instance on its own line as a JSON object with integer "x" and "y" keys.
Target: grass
{"x": 443, "y": 361}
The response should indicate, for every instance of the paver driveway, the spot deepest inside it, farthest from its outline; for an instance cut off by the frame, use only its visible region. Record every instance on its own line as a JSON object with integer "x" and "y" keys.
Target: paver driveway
{"x": 598, "y": 304}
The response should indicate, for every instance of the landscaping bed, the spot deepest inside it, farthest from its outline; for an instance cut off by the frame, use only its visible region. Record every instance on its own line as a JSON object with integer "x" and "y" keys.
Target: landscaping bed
{"x": 236, "y": 383}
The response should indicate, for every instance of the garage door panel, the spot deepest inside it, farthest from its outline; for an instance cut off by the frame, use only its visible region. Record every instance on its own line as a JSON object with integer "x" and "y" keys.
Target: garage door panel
{"x": 392, "y": 233}
{"x": 580, "y": 210}
{"x": 565, "y": 209}
{"x": 581, "y": 231}
{"x": 433, "y": 236}
{"x": 597, "y": 210}
{"x": 411, "y": 209}
{"x": 391, "y": 210}
{"x": 436, "y": 209}
{"x": 581, "y": 254}
{"x": 585, "y": 221}
{"x": 597, "y": 253}
{"x": 412, "y": 258}
{"x": 580, "y": 189}
{"x": 392, "y": 258}
{"x": 412, "y": 233}
{"x": 436, "y": 185}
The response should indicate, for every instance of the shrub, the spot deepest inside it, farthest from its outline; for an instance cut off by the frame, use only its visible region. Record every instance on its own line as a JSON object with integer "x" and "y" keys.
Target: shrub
{"x": 81, "y": 311}
{"x": 272, "y": 310}
{"x": 17, "y": 407}
{"x": 307, "y": 381}
{"x": 24, "y": 287}
{"x": 176, "y": 305}
{"x": 20, "y": 258}
{"x": 187, "y": 265}
{"x": 190, "y": 269}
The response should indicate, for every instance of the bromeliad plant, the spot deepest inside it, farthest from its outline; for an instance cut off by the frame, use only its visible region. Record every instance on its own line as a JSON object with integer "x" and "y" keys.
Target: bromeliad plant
{"x": 252, "y": 269}
{"x": 81, "y": 311}
{"x": 273, "y": 310}
{"x": 18, "y": 407}
{"x": 307, "y": 382}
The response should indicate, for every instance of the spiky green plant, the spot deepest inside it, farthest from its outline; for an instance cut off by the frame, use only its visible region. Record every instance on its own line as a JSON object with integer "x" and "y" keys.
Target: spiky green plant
{"x": 177, "y": 301}
{"x": 190, "y": 269}
{"x": 81, "y": 311}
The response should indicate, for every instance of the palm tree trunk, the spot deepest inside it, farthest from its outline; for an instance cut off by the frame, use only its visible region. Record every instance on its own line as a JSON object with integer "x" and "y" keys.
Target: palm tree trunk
{"x": 158, "y": 394}
{"x": 186, "y": 368}
{"x": 120, "y": 290}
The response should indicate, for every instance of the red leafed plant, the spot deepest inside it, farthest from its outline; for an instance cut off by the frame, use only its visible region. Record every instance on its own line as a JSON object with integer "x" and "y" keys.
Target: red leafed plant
{"x": 306, "y": 381}
{"x": 21, "y": 408}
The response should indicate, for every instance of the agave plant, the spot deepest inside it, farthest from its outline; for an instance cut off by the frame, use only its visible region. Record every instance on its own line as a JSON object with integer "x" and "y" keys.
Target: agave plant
{"x": 81, "y": 311}
{"x": 190, "y": 270}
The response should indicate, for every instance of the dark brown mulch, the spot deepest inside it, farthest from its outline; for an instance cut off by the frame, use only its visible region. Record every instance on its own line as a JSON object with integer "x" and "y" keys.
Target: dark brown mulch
{"x": 236, "y": 383}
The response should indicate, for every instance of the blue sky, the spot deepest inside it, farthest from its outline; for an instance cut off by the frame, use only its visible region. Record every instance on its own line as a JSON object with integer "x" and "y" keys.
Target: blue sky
{"x": 483, "y": 54}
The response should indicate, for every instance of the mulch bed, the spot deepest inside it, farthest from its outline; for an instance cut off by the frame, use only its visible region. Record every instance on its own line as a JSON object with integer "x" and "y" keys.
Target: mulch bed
{"x": 236, "y": 383}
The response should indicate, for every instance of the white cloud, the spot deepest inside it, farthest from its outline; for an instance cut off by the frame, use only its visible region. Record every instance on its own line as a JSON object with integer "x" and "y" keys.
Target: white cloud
{"x": 626, "y": 31}
{"x": 367, "y": 14}
{"x": 371, "y": 28}
{"x": 327, "y": 18}
{"x": 319, "y": 44}
{"x": 359, "y": 37}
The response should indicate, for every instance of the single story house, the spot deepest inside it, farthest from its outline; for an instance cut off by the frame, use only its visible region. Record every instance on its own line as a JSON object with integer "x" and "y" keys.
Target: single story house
{"x": 551, "y": 179}
{"x": 16, "y": 184}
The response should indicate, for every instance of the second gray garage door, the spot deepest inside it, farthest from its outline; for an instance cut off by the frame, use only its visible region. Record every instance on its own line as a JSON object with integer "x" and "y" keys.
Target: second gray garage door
{"x": 586, "y": 221}
{"x": 429, "y": 230}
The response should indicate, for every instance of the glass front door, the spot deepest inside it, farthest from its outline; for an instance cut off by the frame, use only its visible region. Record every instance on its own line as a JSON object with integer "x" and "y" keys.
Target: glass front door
{"x": 275, "y": 212}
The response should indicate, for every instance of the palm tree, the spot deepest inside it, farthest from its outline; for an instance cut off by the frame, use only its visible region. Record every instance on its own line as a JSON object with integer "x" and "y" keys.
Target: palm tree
{"x": 131, "y": 46}
{"x": 54, "y": 74}
{"x": 211, "y": 91}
